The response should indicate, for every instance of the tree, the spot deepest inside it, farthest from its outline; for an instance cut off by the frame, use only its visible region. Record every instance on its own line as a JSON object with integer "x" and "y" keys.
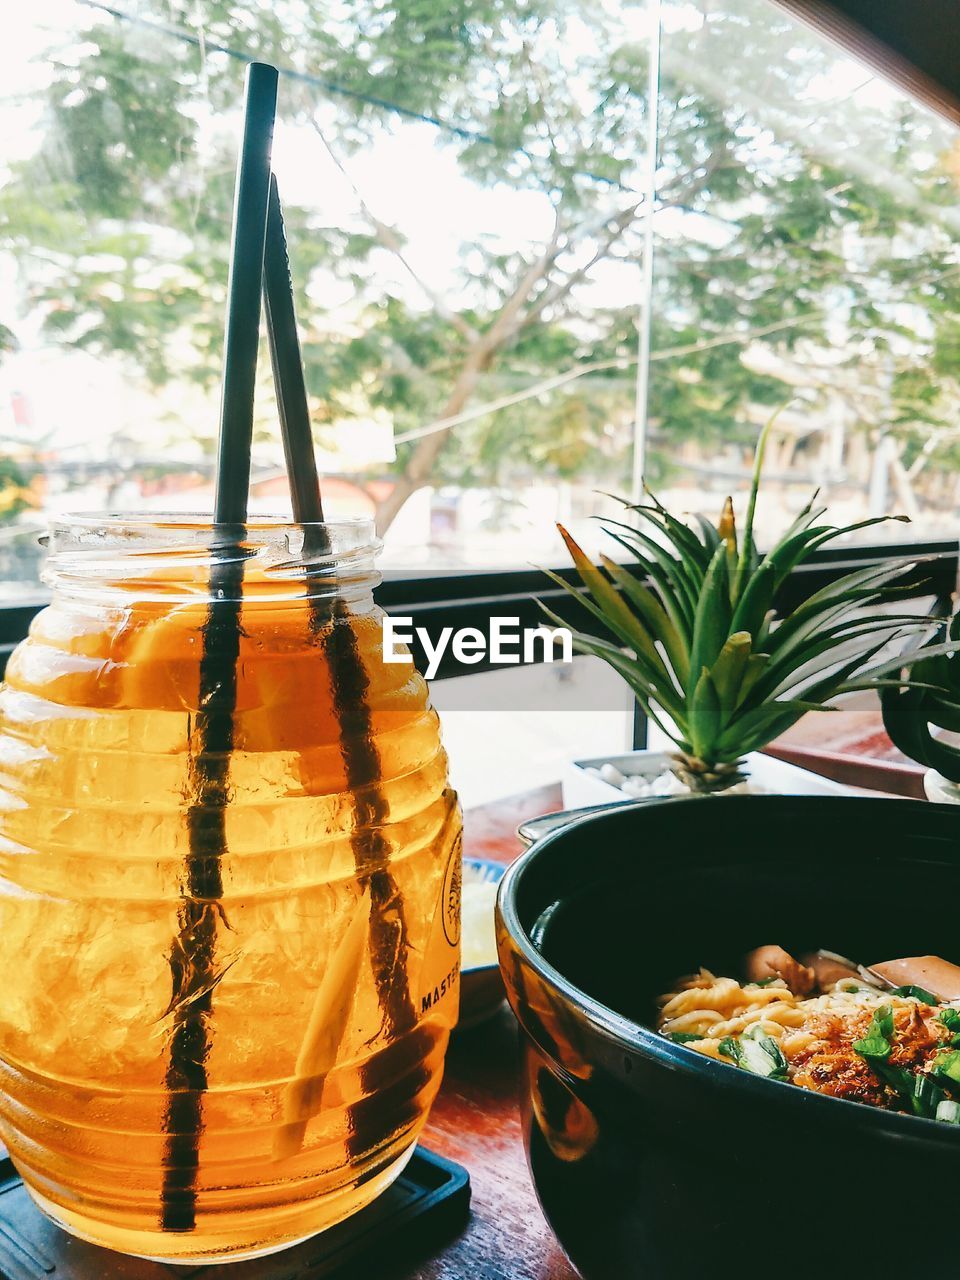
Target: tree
{"x": 786, "y": 233}
{"x": 14, "y": 494}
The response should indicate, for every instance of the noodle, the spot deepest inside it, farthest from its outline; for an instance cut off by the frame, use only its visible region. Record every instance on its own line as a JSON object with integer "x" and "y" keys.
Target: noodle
{"x": 820, "y": 1037}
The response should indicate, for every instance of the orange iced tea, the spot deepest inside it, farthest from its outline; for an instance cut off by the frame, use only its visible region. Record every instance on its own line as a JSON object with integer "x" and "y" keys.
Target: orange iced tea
{"x": 229, "y": 899}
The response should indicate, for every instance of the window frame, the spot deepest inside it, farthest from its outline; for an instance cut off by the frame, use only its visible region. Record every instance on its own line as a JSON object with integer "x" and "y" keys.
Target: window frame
{"x": 465, "y": 599}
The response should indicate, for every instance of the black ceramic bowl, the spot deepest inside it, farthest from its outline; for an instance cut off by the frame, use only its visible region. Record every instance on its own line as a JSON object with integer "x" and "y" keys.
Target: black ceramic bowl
{"x": 651, "y": 1160}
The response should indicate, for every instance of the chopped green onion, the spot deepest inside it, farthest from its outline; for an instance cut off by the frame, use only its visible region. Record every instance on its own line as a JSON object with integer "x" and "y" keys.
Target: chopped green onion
{"x": 729, "y": 1046}
{"x": 946, "y": 1066}
{"x": 922, "y": 1092}
{"x": 900, "y": 1079}
{"x": 878, "y": 1041}
{"x": 915, "y": 993}
{"x": 926, "y": 1095}
{"x": 683, "y": 1037}
{"x": 756, "y": 1052}
{"x": 760, "y": 1054}
{"x": 919, "y": 1092}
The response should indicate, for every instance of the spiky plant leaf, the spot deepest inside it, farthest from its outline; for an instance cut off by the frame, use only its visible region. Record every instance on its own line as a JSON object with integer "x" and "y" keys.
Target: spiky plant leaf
{"x": 854, "y": 588}
{"x": 825, "y": 649}
{"x": 655, "y": 676}
{"x": 707, "y": 652}
{"x": 747, "y": 550}
{"x": 730, "y": 669}
{"x": 757, "y": 663}
{"x": 617, "y": 614}
{"x": 645, "y": 690}
{"x": 711, "y": 623}
{"x": 903, "y": 662}
{"x": 679, "y": 588}
{"x": 760, "y": 726}
{"x": 711, "y": 535}
{"x": 706, "y": 714}
{"x": 679, "y": 533}
{"x": 727, "y": 534}
{"x": 656, "y": 618}
{"x": 647, "y": 662}
{"x": 913, "y": 711}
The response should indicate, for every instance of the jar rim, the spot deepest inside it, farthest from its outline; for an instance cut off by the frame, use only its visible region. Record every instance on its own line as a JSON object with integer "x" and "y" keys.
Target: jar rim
{"x": 152, "y": 552}
{"x": 194, "y": 521}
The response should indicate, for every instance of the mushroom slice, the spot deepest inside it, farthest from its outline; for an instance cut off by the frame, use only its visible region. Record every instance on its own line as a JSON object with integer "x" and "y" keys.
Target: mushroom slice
{"x": 931, "y": 973}
{"x": 764, "y": 963}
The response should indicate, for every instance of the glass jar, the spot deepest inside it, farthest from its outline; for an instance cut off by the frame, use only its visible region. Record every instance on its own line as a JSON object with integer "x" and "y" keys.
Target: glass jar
{"x": 229, "y": 918}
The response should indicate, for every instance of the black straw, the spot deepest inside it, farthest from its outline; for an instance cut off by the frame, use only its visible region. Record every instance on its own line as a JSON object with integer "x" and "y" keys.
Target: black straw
{"x": 389, "y": 943}
{"x": 242, "y": 337}
{"x": 194, "y": 964}
{"x": 288, "y": 369}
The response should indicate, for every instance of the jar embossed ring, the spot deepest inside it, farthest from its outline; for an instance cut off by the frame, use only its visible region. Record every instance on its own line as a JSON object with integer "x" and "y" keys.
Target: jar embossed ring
{"x": 228, "y": 865}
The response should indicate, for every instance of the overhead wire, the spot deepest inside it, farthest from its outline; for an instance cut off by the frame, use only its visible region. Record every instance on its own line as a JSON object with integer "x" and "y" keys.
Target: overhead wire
{"x": 467, "y": 133}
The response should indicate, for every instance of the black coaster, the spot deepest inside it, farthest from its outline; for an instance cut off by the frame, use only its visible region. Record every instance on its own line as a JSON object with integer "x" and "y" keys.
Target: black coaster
{"x": 427, "y": 1203}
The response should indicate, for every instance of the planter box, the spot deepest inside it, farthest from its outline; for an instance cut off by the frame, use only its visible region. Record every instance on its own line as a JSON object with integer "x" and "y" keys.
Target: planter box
{"x": 582, "y": 788}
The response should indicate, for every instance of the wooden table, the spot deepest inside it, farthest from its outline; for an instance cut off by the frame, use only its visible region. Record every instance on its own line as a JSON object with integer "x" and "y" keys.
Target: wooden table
{"x": 475, "y": 1119}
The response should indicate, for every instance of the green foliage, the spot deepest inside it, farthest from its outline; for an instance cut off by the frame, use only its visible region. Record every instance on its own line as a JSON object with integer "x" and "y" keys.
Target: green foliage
{"x": 120, "y": 220}
{"x": 14, "y": 495}
{"x": 700, "y": 641}
{"x": 928, "y": 698}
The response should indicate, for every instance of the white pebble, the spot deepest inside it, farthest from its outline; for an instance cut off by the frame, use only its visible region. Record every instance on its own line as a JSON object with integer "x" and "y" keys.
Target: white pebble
{"x": 610, "y": 773}
{"x": 636, "y": 786}
{"x": 668, "y": 784}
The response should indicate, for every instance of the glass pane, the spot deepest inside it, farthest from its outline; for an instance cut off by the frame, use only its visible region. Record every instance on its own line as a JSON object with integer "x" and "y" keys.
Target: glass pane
{"x": 463, "y": 203}
{"x": 806, "y": 256}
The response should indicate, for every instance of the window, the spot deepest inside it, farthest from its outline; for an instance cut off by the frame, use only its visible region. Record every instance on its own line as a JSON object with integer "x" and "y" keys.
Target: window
{"x": 489, "y": 345}
{"x": 463, "y": 201}
{"x": 466, "y": 202}
{"x": 807, "y": 256}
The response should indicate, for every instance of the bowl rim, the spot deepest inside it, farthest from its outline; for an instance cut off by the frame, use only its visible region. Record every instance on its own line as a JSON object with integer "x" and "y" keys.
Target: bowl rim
{"x": 635, "y": 1036}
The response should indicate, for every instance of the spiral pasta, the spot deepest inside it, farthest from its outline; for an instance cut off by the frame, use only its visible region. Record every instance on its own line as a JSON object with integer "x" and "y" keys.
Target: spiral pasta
{"x": 818, "y": 1036}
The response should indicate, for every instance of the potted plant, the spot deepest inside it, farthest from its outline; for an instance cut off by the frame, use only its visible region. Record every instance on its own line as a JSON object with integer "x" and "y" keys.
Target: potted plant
{"x": 927, "y": 698}
{"x": 701, "y": 642}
